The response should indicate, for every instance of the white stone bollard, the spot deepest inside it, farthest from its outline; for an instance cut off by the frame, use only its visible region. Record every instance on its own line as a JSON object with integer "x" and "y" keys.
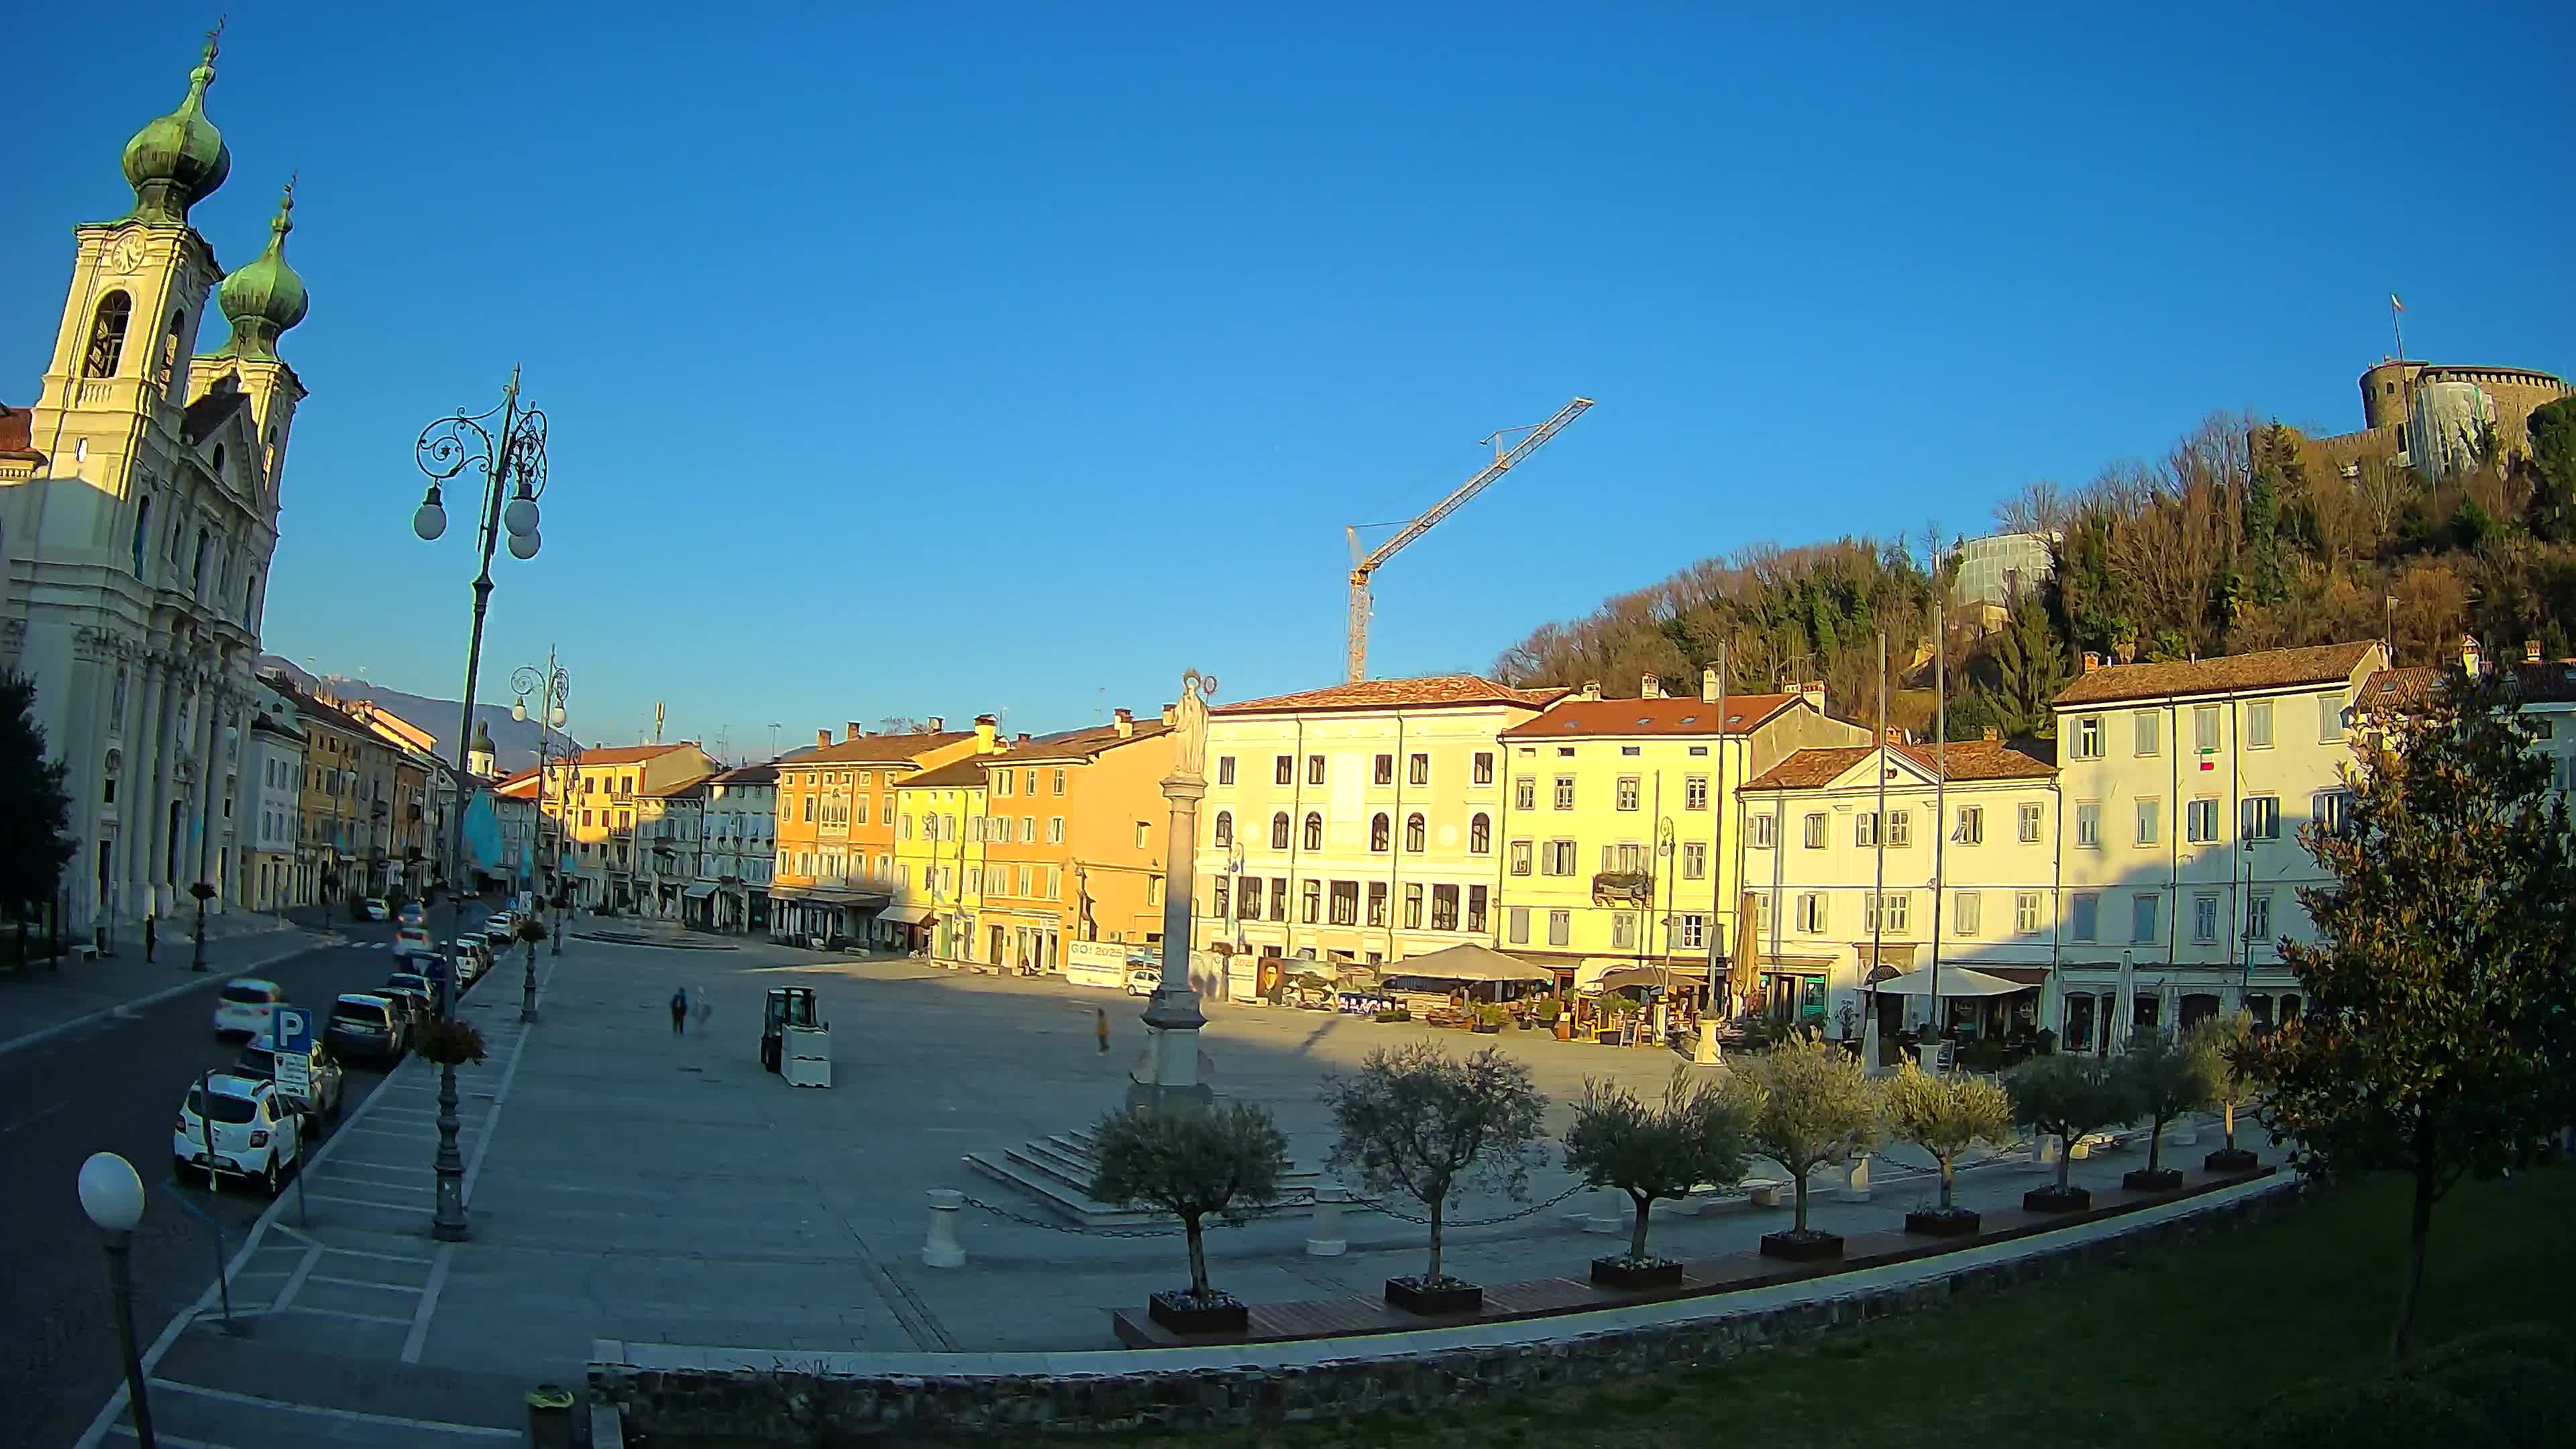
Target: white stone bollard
{"x": 1856, "y": 1188}
{"x": 2044, "y": 1149}
{"x": 1606, "y": 1214}
{"x": 2183, "y": 1131}
{"x": 941, "y": 1249}
{"x": 1324, "y": 1238}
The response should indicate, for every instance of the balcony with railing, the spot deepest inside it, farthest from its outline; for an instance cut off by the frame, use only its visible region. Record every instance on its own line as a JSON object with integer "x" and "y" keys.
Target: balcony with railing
{"x": 1629, "y": 887}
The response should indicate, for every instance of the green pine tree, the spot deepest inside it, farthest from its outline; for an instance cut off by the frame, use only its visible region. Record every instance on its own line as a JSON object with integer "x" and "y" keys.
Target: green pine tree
{"x": 2275, "y": 457}
{"x": 2030, "y": 668}
{"x": 2551, "y": 467}
{"x": 35, "y": 809}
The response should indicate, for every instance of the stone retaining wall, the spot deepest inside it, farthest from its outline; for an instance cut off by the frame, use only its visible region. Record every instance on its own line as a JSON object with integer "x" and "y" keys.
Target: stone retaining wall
{"x": 790, "y": 1405}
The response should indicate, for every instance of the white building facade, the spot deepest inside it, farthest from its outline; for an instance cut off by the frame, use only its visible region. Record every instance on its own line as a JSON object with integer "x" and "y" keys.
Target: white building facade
{"x": 138, "y": 526}
{"x": 1960, "y": 869}
{"x": 2185, "y": 786}
{"x": 740, "y": 834}
{"x": 274, "y": 763}
{"x": 1291, "y": 861}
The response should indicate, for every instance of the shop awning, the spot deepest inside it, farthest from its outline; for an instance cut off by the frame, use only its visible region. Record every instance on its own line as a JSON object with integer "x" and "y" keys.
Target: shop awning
{"x": 906, "y": 915}
{"x": 1955, "y": 981}
{"x": 1468, "y": 963}
{"x": 1622, "y": 977}
{"x": 699, "y": 892}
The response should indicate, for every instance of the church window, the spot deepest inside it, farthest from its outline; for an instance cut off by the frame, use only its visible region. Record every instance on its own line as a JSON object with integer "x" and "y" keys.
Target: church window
{"x": 219, "y": 461}
{"x": 142, "y": 530}
{"x": 107, "y": 335}
{"x": 205, "y": 552}
{"x": 170, "y": 348}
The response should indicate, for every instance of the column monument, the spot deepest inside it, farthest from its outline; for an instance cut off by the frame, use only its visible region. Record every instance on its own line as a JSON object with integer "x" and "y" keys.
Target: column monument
{"x": 1172, "y": 1072}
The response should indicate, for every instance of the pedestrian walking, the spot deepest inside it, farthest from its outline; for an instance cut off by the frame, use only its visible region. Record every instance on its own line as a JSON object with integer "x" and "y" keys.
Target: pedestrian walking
{"x": 1100, "y": 1027}
{"x": 150, "y": 937}
{"x": 679, "y": 1010}
{"x": 705, "y": 1009}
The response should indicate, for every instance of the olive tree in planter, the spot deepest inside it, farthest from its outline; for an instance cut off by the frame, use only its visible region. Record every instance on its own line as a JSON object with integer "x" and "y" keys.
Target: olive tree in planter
{"x": 2166, "y": 1079}
{"x": 1806, "y": 1104}
{"x": 1192, "y": 1162}
{"x": 2067, "y": 1097}
{"x": 1418, "y": 1121}
{"x": 1695, "y": 1135}
{"x": 1945, "y": 1116}
{"x": 2223, "y": 1043}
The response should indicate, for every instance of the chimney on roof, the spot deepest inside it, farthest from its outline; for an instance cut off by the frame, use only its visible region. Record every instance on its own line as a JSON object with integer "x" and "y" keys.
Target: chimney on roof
{"x": 937, "y": 724}
{"x": 822, "y": 738}
{"x": 1813, "y": 690}
{"x": 1171, "y": 715}
{"x": 851, "y": 731}
{"x": 987, "y": 727}
{"x": 1022, "y": 739}
{"x": 1591, "y": 690}
{"x": 2472, "y": 659}
{"x": 1708, "y": 685}
{"x": 2531, "y": 651}
{"x": 1895, "y": 736}
{"x": 1993, "y": 736}
{"x": 1650, "y": 687}
{"x": 2092, "y": 661}
{"x": 1124, "y": 721}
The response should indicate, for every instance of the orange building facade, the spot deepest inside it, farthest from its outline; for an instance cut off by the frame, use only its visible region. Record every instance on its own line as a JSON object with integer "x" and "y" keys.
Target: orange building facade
{"x": 1074, "y": 844}
{"x": 836, "y": 827}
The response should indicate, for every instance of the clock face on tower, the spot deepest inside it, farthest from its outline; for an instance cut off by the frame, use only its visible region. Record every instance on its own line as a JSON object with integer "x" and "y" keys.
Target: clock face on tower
{"x": 125, "y": 257}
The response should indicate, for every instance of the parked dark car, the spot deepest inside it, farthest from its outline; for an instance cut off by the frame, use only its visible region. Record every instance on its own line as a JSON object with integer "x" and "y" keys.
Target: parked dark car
{"x": 415, "y": 991}
{"x": 367, "y": 1027}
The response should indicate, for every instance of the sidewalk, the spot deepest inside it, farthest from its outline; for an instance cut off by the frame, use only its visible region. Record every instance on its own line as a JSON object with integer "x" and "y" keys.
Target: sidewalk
{"x": 42, "y": 1002}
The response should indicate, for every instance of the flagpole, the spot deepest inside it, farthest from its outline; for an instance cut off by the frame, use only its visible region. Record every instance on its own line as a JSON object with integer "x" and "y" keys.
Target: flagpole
{"x": 2397, "y": 324}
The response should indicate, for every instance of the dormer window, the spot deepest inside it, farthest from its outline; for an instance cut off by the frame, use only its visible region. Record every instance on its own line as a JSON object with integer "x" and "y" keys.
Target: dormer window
{"x": 219, "y": 460}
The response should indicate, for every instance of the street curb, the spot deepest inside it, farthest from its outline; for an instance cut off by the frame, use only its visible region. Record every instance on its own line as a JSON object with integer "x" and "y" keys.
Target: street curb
{"x": 194, "y": 982}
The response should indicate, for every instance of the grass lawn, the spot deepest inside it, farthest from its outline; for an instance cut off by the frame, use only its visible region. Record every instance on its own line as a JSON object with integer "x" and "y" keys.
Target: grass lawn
{"x": 2168, "y": 1350}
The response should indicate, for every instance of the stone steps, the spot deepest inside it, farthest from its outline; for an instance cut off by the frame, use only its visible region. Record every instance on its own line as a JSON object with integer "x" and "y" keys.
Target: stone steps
{"x": 1056, "y": 1170}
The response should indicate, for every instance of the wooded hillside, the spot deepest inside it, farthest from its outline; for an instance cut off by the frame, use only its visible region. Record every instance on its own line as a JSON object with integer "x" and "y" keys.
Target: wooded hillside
{"x": 2242, "y": 537}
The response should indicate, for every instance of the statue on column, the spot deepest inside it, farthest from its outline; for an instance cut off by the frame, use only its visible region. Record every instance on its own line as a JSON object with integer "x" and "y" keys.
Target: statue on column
{"x": 1190, "y": 726}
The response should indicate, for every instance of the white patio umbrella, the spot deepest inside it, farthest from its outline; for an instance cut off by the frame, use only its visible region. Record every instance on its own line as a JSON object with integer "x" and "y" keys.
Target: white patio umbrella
{"x": 2126, "y": 1012}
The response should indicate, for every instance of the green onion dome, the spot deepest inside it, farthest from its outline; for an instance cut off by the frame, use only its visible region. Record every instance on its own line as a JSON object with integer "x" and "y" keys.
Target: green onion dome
{"x": 265, "y": 298}
{"x": 179, "y": 159}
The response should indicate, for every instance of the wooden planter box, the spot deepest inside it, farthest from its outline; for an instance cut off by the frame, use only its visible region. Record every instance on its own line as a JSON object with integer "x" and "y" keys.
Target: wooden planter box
{"x": 1182, "y": 1314}
{"x": 1814, "y": 1247}
{"x": 2160, "y": 1179}
{"x": 1409, "y": 1295}
{"x": 1956, "y": 1223}
{"x": 2230, "y": 1159}
{"x": 1620, "y": 1273}
{"x": 2050, "y": 1200}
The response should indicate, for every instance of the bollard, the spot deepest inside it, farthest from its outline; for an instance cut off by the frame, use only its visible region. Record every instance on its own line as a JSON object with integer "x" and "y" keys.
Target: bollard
{"x": 1856, "y": 1188}
{"x": 550, "y": 1418}
{"x": 1324, "y": 1239}
{"x": 2043, "y": 1152}
{"x": 2183, "y": 1131}
{"x": 1605, "y": 1211}
{"x": 941, "y": 1249}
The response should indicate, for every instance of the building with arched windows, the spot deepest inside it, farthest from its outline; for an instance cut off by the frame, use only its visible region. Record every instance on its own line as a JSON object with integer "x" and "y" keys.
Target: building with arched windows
{"x": 138, "y": 515}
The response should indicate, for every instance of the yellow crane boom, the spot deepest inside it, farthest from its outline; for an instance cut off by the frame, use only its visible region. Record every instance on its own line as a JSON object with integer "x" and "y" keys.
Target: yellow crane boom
{"x": 1533, "y": 435}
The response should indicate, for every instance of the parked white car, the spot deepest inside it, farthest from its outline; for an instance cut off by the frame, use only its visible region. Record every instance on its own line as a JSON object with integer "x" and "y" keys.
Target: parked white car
{"x": 1144, "y": 980}
{"x": 501, "y": 929}
{"x": 255, "y": 1133}
{"x": 243, "y": 1007}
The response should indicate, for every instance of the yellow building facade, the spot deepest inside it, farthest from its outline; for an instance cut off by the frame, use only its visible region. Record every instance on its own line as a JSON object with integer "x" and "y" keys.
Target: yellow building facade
{"x": 592, "y": 798}
{"x": 941, "y": 823}
{"x": 1619, "y": 836}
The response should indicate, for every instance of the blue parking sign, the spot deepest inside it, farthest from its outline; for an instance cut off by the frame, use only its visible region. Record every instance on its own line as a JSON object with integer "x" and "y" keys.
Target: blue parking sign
{"x": 294, "y": 1028}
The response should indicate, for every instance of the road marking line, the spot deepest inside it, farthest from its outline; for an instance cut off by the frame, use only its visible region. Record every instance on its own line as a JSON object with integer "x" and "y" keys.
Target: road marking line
{"x": 367, "y": 1283}
{"x": 336, "y": 1313}
{"x": 34, "y": 1118}
{"x": 295, "y": 1281}
{"x": 368, "y": 1202}
{"x": 352, "y": 1416}
{"x": 427, "y": 1308}
{"x": 378, "y": 1257}
{"x": 483, "y": 1142}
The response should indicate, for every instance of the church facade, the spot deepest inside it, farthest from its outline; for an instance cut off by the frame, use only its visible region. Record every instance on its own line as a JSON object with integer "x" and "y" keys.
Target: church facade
{"x": 138, "y": 518}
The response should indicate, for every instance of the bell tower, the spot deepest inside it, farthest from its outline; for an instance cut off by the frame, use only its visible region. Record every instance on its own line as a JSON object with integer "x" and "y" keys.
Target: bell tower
{"x": 262, "y": 301}
{"x": 120, "y": 368}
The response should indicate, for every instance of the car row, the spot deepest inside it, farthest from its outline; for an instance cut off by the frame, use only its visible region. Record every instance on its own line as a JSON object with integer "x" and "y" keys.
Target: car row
{"x": 235, "y": 1126}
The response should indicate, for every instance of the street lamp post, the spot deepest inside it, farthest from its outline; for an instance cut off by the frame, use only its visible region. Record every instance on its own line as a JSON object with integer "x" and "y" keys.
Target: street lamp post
{"x": 507, "y": 445}
{"x": 112, "y": 1196}
{"x": 553, "y": 687}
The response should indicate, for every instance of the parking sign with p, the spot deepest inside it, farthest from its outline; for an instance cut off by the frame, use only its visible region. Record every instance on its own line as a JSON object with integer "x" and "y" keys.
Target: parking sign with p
{"x": 294, "y": 1029}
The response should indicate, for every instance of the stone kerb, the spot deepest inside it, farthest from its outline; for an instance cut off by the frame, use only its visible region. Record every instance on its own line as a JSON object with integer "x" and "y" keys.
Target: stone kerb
{"x": 783, "y": 1397}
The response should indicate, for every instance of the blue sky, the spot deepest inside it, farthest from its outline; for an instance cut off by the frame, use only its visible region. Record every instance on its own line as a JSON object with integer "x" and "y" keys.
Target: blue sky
{"x": 939, "y": 359}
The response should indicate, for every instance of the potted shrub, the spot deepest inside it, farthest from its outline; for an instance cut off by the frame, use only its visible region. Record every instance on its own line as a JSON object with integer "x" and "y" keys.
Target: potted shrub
{"x": 2165, "y": 1080}
{"x": 448, "y": 1042}
{"x": 2223, "y": 1042}
{"x": 2067, "y": 1097}
{"x": 1806, "y": 1104}
{"x": 1945, "y": 1116}
{"x": 1491, "y": 1019}
{"x": 1695, "y": 1135}
{"x": 1418, "y": 1121}
{"x": 1192, "y": 1162}
{"x": 1395, "y": 1013}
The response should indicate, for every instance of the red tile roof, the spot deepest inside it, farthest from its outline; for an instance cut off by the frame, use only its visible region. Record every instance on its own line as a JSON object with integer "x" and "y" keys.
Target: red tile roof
{"x": 1967, "y": 760}
{"x": 1583, "y": 718}
{"x": 968, "y": 772}
{"x": 2229, "y": 674}
{"x": 16, "y": 434}
{"x": 1428, "y": 692}
{"x": 875, "y": 749}
{"x": 749, "y": 775}
{"x": 621, "y": 754}
{"x": 1084, "y": 744}
{"x": 520, "y": 786}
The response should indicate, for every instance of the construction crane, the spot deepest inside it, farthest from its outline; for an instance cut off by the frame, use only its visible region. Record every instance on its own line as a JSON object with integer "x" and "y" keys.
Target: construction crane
{"x": 1362, "y": 567}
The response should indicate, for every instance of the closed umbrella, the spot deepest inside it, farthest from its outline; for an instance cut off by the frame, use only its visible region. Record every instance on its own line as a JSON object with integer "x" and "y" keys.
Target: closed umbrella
{"x": 2128, "y": 1004}
{"x": 1744, "y": 972}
